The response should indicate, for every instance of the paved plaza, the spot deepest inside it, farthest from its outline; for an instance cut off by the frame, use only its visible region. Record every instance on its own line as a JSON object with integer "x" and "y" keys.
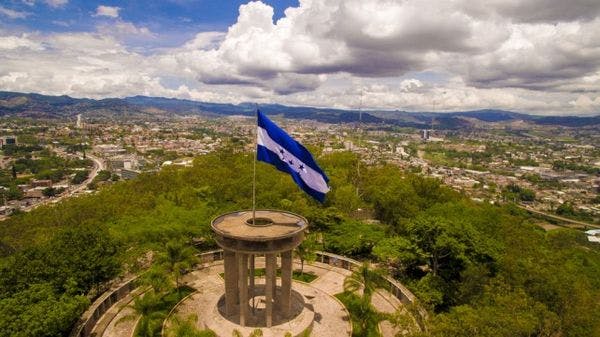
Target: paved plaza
{"x": 329, "y": 314}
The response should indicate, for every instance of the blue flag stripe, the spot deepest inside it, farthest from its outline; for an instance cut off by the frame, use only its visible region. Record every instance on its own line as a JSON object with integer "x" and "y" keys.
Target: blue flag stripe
{"x": 276, "y": 147}
{"x": 265, "y": 155}
{"x": 311, "y": 177}
{"x": 291, "y": 145}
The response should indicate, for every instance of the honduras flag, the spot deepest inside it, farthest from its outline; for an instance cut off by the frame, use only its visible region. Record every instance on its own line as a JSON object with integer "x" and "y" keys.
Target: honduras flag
{"x": 276, "y": 147}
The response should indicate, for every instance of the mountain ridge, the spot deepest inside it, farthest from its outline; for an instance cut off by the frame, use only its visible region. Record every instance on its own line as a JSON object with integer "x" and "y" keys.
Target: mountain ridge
{"x": 35, "y": 105}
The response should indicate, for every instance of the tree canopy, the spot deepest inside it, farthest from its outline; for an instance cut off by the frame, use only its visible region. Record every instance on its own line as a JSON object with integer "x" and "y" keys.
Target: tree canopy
{"x": 471, "y": 265}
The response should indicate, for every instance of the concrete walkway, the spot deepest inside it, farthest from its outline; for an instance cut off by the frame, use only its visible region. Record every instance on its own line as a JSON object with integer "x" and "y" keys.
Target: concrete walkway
{"x": 120, "y": 320}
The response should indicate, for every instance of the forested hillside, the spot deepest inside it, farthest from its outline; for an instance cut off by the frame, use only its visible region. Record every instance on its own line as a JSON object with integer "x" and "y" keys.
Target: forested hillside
{"x": 479, "y": 269}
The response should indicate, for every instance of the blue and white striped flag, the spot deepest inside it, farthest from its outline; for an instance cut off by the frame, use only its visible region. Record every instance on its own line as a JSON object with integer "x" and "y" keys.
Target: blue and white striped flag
{"x": 276, "y": 147}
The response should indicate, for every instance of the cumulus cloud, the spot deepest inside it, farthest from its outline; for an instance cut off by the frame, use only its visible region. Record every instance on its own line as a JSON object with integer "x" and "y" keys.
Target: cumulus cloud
{"x": 409, "y": 54}
{"x": 540, "y": 57}
{"x": 109, "y": 11}
{"x": 534, "y": 11}
{"x": 377, "y": 38}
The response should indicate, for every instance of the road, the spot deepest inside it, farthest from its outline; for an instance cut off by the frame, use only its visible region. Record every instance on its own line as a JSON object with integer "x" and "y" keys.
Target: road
{"x": 559, "y": 218}
{"x": 98, "y": 166}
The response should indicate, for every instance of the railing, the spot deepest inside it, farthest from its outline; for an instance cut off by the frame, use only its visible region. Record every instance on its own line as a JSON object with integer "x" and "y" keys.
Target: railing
{"x": 395, "y": 288}
{"x": 90, "y": 318}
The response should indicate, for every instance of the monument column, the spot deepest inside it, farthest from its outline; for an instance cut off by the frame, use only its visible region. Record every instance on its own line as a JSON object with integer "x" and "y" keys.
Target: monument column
{"x": 270, "y": 264}
{"x": 231, "y": 281}
{"x": 243, "y": 286}
{"x": 251, "y": 286}
{"x": 286, "y": 282}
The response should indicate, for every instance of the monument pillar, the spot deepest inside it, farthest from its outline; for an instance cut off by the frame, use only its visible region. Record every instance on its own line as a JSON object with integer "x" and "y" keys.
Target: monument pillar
{"x": 243, "y": 286}
{"x": 286, "y": 282}
{"x": 231, "y": 282}
{"x": 270, "y": 266}
{"x": 251, "y": 284}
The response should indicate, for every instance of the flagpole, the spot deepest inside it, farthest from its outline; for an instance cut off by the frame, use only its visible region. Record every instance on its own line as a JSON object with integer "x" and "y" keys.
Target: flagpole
{"x": 254, "y": 166}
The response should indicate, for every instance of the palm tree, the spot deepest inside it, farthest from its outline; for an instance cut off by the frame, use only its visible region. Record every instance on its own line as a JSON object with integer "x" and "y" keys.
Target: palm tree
{"x": 144, "y": 307}
{"x": 157, "y": 279}
{"x": 254, "y": 333}
{"x": 176, "y": 258}
{"x": 366, "y": 279}
{"x": 365, "y": 317}
{"x": 187, "y": 328}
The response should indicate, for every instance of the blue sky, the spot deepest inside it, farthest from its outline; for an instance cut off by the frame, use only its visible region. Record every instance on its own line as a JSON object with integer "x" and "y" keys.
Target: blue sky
{"x": 536, "y": 56}
{"x": 176, "y": 20}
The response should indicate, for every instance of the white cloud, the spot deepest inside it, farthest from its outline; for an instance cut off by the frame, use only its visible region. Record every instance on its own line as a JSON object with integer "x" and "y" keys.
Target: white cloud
{"x": 112, "y": 12}
{"x": 14, "y": 42}
{"x": 13, "y": 14}
{"x": 56, "y": 3}
{"x": 411, "y": 54}
{"x": 123, "y": 29}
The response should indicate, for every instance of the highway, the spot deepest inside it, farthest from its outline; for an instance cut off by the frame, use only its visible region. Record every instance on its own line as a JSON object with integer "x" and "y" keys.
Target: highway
{"x": 98, "y": 166}
{"x": 559, "y": 218}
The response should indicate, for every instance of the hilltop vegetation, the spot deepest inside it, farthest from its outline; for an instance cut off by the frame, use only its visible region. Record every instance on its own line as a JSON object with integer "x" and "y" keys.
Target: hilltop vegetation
{"x": 479, "y": 269}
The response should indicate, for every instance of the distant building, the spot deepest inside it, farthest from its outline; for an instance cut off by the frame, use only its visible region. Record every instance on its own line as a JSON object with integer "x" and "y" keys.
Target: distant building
{"x": 79, "y": 123}
{"x": 8, "y": 140}
{"x": 109, "y": 150}
{"x": 128, "y": 162}
{"x": 425, "y": 134}
{"x": 593, "y": 235}
{"x": 35, "y": 193}
{"x": 7, "y": 210}
{"x": 129, "y": 174}
{"x": 41, "y": 183}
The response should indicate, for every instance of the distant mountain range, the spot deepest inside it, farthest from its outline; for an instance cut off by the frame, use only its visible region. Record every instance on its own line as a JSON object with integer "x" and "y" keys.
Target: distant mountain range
{"x": 43, "y": 106}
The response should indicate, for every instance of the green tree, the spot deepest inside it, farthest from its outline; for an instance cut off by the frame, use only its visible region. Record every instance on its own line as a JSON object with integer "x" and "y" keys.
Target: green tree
{"x": 176, "y": 259}
{"x": 39, "y": 312}
{"x": 49, "y": 191}
{"x": 398, "y": 252}
{"x": 501, "y": 312}
{"x": 307, "y": 250}
{"x": 353, "y": 238}
{"x": 80, "y": 177}
{"x": 365, "y": 279}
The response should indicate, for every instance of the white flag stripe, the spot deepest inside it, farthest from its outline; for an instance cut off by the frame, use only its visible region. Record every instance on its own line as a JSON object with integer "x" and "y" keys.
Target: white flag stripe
{"x": 311, "y": 177}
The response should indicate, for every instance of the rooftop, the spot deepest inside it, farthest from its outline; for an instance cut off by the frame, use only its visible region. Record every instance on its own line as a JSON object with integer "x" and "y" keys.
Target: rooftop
{"x": 270, "y": 225}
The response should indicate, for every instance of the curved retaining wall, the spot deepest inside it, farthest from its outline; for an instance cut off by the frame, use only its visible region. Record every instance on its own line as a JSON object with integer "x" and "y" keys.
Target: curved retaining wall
{"x": 394, "y": 287}
{"x": 91, "y": 317}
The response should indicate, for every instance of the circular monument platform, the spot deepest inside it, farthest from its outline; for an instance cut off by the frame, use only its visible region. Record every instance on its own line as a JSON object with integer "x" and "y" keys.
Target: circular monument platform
{"x": 321, "y": 312}
{"x": 244, "y": 236}
{"x": 270, "y": 232}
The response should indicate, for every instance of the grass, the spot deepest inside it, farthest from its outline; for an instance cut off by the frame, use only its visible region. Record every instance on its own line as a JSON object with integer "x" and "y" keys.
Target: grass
{"x": 307, "y": 276}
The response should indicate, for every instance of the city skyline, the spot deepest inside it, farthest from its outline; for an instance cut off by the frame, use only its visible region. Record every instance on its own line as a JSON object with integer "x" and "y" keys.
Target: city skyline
{"x": 536, "y": 57}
